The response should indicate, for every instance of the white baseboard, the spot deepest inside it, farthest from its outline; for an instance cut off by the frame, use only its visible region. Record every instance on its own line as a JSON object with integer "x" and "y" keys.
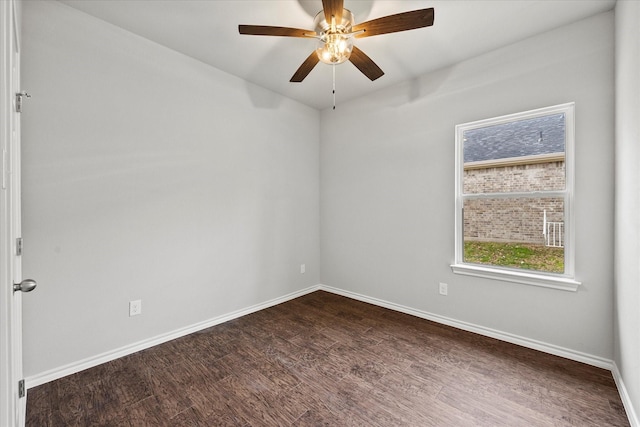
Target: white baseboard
{"x": 90, "y": 362}
{"x": 624, "y": 396}
{"x": 481, "y": 330}
{"x": 578, "y": 356}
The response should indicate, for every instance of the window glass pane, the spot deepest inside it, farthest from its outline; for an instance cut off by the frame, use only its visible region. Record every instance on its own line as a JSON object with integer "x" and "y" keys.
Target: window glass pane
{"x": 522, "y": 155}
{"x": 524, "y": 232}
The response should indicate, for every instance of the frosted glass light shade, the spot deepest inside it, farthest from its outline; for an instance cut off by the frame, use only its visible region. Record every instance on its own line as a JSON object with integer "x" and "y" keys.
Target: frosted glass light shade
{"x": 335, "y": 41}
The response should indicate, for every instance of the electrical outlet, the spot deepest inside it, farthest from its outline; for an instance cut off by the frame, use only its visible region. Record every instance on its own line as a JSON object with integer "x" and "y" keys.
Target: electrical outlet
{"x": 444, "y": 289}
{"x": 303, "y": 268}
{"x": 135, "y": 307}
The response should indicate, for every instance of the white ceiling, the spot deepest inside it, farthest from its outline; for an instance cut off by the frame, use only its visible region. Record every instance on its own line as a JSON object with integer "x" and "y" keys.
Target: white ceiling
{"x": 208, "y": 31}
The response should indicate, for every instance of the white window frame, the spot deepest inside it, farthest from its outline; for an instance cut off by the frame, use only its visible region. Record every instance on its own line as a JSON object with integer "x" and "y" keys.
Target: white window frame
{"x": 565, "y": 281}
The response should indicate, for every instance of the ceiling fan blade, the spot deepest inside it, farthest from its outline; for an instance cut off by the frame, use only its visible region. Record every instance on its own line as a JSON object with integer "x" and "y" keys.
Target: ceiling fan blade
{"x": 306, "y": 67}
{"x": 394, "y": 23}
{"x": 267, "y": 30}
{"x": 333, "y": 8}
{"x": 365, "y": 64}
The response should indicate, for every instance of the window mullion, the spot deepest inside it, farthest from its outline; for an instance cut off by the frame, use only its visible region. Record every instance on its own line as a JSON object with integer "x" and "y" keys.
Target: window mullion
{"x": 515, "y": 195}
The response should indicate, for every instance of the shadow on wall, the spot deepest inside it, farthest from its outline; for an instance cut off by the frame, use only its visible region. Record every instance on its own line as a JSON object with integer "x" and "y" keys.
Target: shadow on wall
{"x": 260, "y": 97}
{"x": 263, "y": 98}
{"x": 418, "y": 88}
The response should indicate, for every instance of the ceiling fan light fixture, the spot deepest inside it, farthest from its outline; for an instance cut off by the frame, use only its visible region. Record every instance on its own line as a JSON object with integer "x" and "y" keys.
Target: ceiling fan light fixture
{"x": 335, "y": 50}
{"x": 335, "y": 31}
{"x": 335, "y": 39}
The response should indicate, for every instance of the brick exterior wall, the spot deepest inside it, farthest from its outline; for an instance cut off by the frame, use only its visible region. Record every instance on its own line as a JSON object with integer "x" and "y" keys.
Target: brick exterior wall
{"x": 512, "y": 220}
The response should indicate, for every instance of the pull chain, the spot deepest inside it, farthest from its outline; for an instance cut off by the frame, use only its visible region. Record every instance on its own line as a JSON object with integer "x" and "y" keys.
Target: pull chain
{"x": 334, "y": 86}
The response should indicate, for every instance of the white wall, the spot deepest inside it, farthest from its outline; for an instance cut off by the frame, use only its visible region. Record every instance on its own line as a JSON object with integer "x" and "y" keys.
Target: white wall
{"x": 387, "y": 188}
{"x": 149, "y": 175}
{"x": 627, "y": 200}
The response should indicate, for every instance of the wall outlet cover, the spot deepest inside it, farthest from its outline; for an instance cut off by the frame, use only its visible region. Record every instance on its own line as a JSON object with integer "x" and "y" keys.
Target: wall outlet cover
{"x": 135, "y": 307}
{"x": 444, "y": 289}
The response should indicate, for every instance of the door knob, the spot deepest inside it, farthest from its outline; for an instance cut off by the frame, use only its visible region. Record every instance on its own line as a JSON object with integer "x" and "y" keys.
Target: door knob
{"x": 26, "y": 285}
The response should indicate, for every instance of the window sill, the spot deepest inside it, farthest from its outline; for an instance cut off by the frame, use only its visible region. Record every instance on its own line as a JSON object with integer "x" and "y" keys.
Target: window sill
{"x": 547, "y": 281}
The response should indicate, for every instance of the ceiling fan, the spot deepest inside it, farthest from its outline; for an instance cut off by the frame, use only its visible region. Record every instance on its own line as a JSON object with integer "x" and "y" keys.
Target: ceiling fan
{"x": 334, "y": 28}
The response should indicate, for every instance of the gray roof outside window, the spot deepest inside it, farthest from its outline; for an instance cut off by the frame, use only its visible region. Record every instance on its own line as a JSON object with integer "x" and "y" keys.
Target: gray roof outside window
{"x": 527, "y": 137}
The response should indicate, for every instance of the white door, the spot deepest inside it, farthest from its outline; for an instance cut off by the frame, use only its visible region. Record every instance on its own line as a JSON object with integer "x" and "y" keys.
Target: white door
{"x": 12, "y": 391}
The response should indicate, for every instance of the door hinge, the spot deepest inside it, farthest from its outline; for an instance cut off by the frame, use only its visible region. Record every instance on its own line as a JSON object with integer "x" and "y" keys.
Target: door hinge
{"x": 4, "y": 169}
{"x": 19, "y": 100}
{"x": 21, "y": 390}
{"x": 19, "y": 246}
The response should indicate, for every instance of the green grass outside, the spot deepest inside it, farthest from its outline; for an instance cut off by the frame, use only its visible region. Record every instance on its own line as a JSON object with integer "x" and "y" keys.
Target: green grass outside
{"x": 515, "y": 255}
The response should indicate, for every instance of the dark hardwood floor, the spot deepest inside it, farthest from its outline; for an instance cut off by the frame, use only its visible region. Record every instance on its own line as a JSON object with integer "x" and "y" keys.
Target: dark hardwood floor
{"x": 325, "y": 360}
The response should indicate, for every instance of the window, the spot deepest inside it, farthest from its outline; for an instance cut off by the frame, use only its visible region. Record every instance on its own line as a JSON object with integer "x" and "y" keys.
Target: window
{"x": 514, "y": 192}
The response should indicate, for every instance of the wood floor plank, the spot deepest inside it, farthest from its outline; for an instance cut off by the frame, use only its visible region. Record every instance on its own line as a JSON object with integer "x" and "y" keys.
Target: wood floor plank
{"x": 327, "y": 360}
